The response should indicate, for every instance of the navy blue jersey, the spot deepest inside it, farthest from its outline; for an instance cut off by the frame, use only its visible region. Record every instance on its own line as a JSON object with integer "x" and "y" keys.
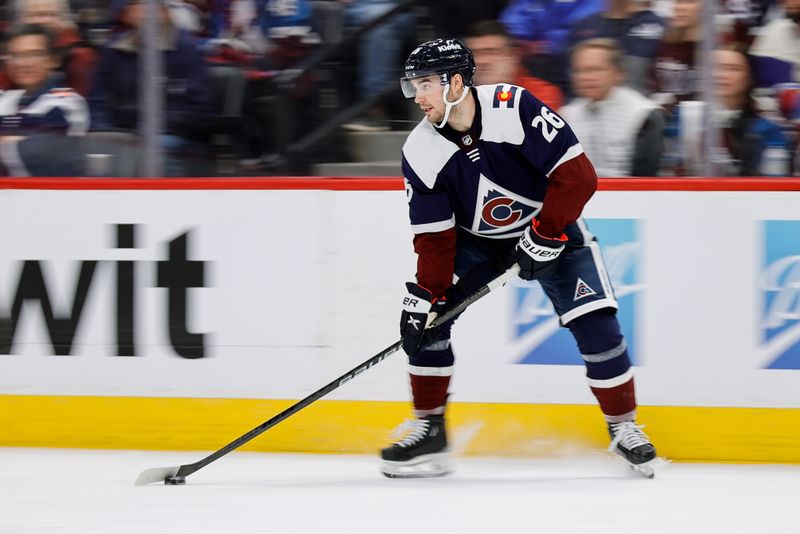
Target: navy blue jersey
{"x": 492, "y": 180}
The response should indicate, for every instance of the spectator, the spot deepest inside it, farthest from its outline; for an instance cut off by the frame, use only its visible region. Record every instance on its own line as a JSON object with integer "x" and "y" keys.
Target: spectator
{"x": 38, "y": 110}
{"x": 676, "y": 75}
{"x": 115, "y": 98}
{"x": 776, "y": 50}
{"x": 279, "y": 19}
{"x": 287, "y": 27}
{"x": 755, "y": 145}
{"x": 620, "y": 129}
{"x": 638, "y": 31}
{"x": 498, "y": 60}
{"x": 78, "y": 58}
{"x": 542, "y": 27}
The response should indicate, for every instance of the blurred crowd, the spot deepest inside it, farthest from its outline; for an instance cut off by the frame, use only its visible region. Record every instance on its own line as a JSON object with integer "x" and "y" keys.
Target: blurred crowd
{"x": 264, "y": 87}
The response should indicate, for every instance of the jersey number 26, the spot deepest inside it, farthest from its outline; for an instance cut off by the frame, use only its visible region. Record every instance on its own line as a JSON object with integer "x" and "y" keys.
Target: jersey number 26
{"x": 554, "y": 120}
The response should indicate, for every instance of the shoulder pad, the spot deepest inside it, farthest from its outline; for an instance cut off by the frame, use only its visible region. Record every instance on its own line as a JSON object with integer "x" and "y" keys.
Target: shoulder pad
{"x": 500, "y": 110}
{"x": 427, "y": 152}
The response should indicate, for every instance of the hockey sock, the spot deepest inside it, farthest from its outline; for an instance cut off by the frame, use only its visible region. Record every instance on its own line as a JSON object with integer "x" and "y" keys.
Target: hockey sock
{"x": 608, "y": 368}
{"x": 430, "y": 372}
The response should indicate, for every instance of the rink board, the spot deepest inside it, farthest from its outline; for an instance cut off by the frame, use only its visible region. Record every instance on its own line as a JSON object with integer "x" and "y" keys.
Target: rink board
{"x": 536, "y": 430}
{"x": 178, "y": 311}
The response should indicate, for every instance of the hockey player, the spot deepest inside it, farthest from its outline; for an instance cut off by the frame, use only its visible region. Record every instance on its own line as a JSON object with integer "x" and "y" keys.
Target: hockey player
{"x": 494, "y": 177}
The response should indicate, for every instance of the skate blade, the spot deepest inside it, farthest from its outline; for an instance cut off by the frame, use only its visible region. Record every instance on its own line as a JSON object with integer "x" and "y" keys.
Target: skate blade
{"x": 646, "y": 469}
{"x": 426, "y": 466}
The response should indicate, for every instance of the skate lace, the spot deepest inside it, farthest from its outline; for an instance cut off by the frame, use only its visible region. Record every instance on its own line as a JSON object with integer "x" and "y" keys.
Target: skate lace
{"x": 629, "y": 435}
{"x": 414, "y": 430}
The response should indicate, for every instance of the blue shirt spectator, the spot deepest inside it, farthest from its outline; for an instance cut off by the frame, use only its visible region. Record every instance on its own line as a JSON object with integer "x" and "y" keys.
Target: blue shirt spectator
{"x": 547, "y": 21}
{"x": 282, "y": 18}
{"x": 542, "y": 28}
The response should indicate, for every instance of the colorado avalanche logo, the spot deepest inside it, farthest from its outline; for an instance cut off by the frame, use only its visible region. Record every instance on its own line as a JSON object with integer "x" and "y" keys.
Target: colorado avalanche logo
{"x": 499, "y": 211}
{"x": 582, "y": 289}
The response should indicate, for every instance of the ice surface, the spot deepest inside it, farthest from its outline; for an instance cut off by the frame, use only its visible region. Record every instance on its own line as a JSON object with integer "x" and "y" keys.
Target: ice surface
{"x": 82, "y": 491}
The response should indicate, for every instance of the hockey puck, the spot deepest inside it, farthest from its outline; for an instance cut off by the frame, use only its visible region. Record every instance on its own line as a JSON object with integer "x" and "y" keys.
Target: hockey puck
{"x": 174, "y": 480}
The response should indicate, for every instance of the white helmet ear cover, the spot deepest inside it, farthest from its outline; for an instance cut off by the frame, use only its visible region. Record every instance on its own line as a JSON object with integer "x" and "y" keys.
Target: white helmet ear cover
{"x": 449, "y": 105}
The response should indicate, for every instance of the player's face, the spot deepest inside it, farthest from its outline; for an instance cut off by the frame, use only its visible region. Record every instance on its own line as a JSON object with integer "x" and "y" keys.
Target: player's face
{"x": 686, "y": 13}
{"x": 594, "y": 74}
{"x": 496, "y": 61}
{"x": 28, "y": 61}
{"x": 429, "y": 97}
{"x": 731, "y": 74}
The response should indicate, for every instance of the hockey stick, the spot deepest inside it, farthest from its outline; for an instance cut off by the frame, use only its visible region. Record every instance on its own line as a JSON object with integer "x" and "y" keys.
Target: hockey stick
{"x": 177, "y": 475}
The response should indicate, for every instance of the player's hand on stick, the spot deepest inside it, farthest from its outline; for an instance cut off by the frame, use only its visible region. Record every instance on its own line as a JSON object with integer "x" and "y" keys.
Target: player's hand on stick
{"x": 417, "y": 307}
{"x": 538, "y": 256}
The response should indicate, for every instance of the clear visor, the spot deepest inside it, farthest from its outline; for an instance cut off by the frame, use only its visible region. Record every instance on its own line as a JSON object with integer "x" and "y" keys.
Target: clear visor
{"x": 422, "y": 85}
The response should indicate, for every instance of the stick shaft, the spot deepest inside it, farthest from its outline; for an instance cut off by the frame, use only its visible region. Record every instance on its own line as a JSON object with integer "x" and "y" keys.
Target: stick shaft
{"x": 188, "y": 469}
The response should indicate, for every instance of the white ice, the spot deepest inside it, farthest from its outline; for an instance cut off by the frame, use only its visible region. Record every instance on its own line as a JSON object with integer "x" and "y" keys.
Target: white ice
{"x": 90, "y": 491}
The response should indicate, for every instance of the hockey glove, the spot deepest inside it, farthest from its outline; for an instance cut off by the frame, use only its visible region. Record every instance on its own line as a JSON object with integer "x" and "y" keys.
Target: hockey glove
{"x": 538, "y": 256}
{"x": 417, "y": 306}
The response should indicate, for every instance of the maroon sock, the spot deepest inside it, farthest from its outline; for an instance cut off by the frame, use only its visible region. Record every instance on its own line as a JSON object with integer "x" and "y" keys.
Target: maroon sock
{"x": 618, "y": 401}
{"x": 429, "y": 393}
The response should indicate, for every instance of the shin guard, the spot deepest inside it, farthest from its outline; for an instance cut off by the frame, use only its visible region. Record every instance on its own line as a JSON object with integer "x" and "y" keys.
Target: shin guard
{"x": 430, "y": 371}
{"x": 608, "y": 368}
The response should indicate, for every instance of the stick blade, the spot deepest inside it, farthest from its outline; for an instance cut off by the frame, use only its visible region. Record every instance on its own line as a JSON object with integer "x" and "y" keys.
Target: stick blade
{"x": 155, "y": 474}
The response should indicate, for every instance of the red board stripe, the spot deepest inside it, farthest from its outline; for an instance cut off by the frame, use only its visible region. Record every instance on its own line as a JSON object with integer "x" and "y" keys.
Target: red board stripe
{"x": 377, "y": 184}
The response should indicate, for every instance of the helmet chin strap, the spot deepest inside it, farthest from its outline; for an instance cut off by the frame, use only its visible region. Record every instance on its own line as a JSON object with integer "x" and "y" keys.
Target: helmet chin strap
{"x": 449, "y": 105}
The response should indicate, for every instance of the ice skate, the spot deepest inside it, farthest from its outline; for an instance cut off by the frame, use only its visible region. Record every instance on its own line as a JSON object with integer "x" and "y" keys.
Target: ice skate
{"x": 628, "y": 441}
{"x": 421, "y": 453}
